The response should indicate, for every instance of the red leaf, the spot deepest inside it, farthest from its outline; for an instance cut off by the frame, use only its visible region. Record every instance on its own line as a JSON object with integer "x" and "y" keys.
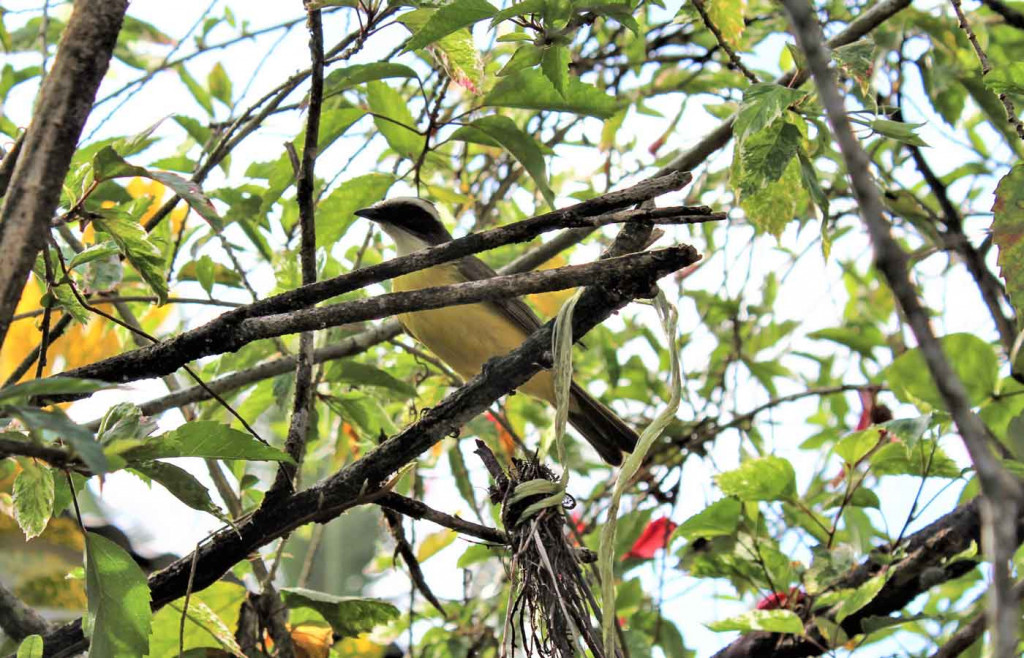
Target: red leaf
{"x": 654, "y": 537}
{"x": 777, "y": 600}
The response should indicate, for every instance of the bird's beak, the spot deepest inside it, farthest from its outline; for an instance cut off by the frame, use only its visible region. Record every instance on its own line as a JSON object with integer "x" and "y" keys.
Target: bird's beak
{"x": 368, "y": 213}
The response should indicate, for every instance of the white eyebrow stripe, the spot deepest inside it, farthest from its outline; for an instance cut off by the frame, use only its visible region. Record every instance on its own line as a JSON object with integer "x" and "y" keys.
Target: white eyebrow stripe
{"x": 422, "y": 204}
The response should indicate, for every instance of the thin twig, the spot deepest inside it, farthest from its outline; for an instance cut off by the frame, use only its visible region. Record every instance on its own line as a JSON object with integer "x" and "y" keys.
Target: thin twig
{"x": 986, "y": 66}
{"x": 734, "y": 59}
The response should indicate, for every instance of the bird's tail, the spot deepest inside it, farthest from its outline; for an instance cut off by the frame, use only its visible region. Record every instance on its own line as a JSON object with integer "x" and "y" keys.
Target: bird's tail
{"x": 599, "y": 425}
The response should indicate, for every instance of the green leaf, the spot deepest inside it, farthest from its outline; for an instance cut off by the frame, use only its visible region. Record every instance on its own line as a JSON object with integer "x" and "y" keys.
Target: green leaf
{"x": 209, "y": 623}
{"x": 56, "y": 421}
{"x": 348, "y": 616}
{"x": 772, "y": 621}
{"x": 219, "y": 84}
{"x": 716, "y": 520}
{"x": 555, "y": 66}
{"x": 525, "y": 57}
{"x": 766, "y": 155}
{"x": 923, "y": 458}
{"x": 95, "y": 252}
{"x": 620, "y": 12}
{"x": 519, "y": 9}
{"x": 191, "y": 193}
{"x": 450, "y": 18}
{"x": 395, "y": 122}
{"x": 457, "y": 465}
{"x": 460, "y": 58}
{"x": 909, "y": 430}
{"x": 119, "y": 616}
{"x": 205, "y": 438}
{"x": 201, "y": 95}
{"x": 107, "y": 164}
{"x": 973, "y": 360}
{"x": 862, "y": 339}
{"x": 33, "y": 497}
{"x": 762, "y": 105}
{"x": 857, "y": 59}
{"x": 181, "y": 484}
{"x": 475, "y": 554}
{"x": 853, "y": 447}
{"x": 860, "y": 597}
{"x": 134, "y": 243}
{"x": 898, "y": 130}
{"x": 334, "y": 214}
{"x": 765, "y": 478}
{"x": 811, "y": 183}
{"x": 1006, "y": 78}
{"x": 205, "y": 269}
{"x": 1007, "y": 231}
{"x": 773, "y": 207}
{"x": 532, "y": 90}
{"x": 522, "y": 147}
{"x": 353, "y": 372}
{"x": 31, "y": 647}
{"x": 727, "y": 16}
{"x": 349, "y": 76}
{"x": 51, "y": 386}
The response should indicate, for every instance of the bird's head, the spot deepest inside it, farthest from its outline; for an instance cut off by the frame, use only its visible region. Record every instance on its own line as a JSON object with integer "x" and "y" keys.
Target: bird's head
{"x": 412, "y": 223}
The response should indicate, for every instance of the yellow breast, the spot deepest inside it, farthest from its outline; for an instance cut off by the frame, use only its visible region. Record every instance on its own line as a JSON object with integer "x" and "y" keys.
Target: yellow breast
{"x": 465, "y": 336}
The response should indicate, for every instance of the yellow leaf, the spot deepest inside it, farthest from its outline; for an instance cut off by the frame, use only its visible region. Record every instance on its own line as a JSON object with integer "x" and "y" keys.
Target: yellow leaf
{"x": 433, "y": 543}
{"x": 548, "y": 303}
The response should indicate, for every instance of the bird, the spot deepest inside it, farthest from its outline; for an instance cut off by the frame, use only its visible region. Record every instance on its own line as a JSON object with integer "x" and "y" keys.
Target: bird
{"x": 467, "y": 336}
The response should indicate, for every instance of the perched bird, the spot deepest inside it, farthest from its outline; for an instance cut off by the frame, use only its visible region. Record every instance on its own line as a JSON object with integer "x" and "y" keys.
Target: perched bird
{"x": 466, "y": 336}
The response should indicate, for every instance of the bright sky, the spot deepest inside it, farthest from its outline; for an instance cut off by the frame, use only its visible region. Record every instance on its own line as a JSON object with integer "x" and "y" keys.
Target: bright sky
{"x": 812, "y": 293}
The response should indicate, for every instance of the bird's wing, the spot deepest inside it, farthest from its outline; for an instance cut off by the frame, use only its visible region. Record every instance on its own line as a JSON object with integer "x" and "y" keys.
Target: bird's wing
{"x": 513, "y": 308}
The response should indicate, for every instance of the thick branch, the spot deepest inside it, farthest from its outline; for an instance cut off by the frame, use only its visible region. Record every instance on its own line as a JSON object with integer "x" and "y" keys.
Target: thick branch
{"x": 64, "y": 104}
{"x": 1003, "y": 494}
{"x": 924, "y": 565}
{"x": 1009, "y": 14}
{"x": 18, "y": 620}
{"x": 364, "y": 340}
{"x": 355, "y": 484}
{"x": 209, "y": 338}
{"x": 962, "y": 640}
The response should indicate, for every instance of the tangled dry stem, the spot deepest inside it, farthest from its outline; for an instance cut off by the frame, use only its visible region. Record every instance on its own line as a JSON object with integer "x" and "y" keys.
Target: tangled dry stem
{"x": 551, "y": 607}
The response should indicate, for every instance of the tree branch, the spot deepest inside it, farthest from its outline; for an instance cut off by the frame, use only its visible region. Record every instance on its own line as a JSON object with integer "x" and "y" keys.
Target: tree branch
{"x": 206, "y": 339}
{"x": 18, "y": 620}
{"x": 924, "y": 565}
{"x": 720, "y": 136}
{"x": 1003, "y": 495}
{"x": 298, "y": 428}
{"x": 357, "y": 483}
{"x": 64, "y": 104}
{"x": 962, "y": 640}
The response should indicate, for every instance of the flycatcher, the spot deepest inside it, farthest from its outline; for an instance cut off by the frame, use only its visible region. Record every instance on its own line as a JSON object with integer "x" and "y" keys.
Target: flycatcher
{"x": 466, "y": 336}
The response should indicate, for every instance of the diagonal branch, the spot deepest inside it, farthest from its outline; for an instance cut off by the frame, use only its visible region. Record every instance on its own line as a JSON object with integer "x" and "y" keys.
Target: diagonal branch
{"x": 64, "y": 104}
{"x": 924, "y": 562}
{"x": 202, "y": 341}
{"x": 361, "y": 482}
{"x": 1003, "y": 493}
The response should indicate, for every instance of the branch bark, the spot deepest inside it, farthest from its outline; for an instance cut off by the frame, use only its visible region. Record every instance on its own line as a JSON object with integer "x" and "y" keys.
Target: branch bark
{"x": 17, "y": 619}
{"x": 1003, "y": 493}
{"x": 209, "y": 339}
{"x": 360, "y": 482}
{"x": 64, "y": 104}
{"x": 924, "y": 565}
